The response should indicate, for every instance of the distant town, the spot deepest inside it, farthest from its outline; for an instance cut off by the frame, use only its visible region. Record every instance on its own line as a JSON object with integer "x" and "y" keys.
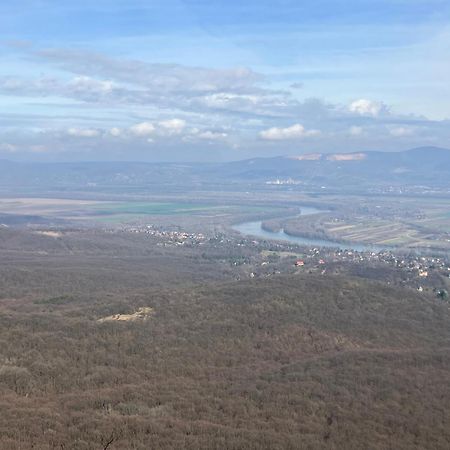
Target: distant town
{"x": 266, "y": 258}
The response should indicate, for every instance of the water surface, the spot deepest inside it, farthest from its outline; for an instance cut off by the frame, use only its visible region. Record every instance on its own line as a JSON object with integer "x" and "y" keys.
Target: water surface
{"x": 254, "y": 228}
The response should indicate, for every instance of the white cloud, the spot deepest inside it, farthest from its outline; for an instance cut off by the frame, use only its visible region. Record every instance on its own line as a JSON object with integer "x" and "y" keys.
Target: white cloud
{"x": 83, "y": 132}
{"x": 365, "y": 107}
{"x": 84, "y": 83}
{"x": 227, "y": 99}
{"x": 211, "y": 135}
{"x": 296, "y": 131}
{"x": 218, "y": 105}
{"x": 401, "y": 131}
{"x": 143, "y": 129}
{"x": 116, "y": 132}
{"x": 168, "y": 127}
{"x": 173, "y": 126}
{"x": 196, "y": 134}
{"x": 157, "y": 77}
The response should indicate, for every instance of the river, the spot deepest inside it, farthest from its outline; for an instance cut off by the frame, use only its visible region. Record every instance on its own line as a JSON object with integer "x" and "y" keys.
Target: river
{"x": 255, "y": 229}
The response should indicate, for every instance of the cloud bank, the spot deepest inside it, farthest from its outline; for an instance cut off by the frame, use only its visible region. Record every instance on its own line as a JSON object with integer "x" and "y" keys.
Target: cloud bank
{"x": 91, "y": 103}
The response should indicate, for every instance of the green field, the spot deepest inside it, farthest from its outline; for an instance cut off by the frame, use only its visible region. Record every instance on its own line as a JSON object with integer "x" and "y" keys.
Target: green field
{"x": 144, "y": 208}
{"x": 122, "y": 212}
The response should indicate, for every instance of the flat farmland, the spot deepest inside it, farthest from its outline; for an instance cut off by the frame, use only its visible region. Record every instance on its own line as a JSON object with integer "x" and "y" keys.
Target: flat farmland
{"x": 118, "y": 212}
{"x": 42, "y": 205}
{"x": 424, "y": 224}
{"x": 385, "y": 221}
{"x": 381, "y": 233}
{"x": 123, "y": 212}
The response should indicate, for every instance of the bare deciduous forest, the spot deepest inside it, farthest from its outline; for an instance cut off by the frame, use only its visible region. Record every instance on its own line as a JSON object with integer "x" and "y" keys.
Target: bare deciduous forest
{"x": 144, "y": 349}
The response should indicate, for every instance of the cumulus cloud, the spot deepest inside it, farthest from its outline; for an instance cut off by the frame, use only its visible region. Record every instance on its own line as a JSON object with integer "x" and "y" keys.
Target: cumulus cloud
{"x": 115, "y": 131}
{"x": 401, "y": 131}
{"x": 163, "y": 77}
{"x": 84, "y": 83}
{"x": 80, "y": 88}
{"x": 114, "y": 82}
{"x": 117, "y": 82}
{"x": 205, "y": 135}
{"x": 249, "y": 100}
{"x": 364, "y": 107}
{"x": 173, "y": 126}
{"x": 179, "y": 104}
{"x": 83, "y": 132}
{"x": 211, "y": 135}
{"x": 168, "y": 127}
{"x": 296, "y": 131}
{"x": 227, "y": 99}
{"x": 143, "y": 129}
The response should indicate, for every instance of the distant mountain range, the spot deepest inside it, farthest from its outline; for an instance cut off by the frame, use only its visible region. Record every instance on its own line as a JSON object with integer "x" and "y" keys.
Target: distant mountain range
{"x": 425, "y": 166}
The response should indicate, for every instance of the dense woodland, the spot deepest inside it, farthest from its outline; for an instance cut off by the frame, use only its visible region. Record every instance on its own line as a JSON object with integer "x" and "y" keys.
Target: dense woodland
{"x": 287, "y": 362}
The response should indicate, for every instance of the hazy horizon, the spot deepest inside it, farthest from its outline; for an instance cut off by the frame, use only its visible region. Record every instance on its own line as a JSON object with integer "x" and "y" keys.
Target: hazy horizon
{"x": 44, "y": 160}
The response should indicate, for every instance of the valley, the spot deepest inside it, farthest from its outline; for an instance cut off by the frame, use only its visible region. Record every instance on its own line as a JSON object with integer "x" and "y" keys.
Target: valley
{"x": 219, "y": 315}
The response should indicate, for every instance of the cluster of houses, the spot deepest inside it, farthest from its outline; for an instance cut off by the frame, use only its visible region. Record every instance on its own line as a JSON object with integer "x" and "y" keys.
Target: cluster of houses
{"x": 418, "y": 270}
{"x": 172, "y": 237}
{"x": 416, "y": 266}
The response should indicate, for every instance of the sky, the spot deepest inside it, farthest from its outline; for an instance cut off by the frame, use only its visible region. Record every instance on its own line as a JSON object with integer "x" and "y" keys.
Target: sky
{"x": 197, "y": 80}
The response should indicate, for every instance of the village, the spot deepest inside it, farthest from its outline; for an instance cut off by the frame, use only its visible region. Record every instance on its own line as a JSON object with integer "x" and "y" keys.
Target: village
{"x": 166, "y": 237}
{"x": 259, "y": 258}
{"x": 420, "y": 272}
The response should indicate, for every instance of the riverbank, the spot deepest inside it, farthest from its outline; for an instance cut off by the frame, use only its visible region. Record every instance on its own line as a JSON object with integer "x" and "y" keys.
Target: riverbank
{"x": 257, "y": 229}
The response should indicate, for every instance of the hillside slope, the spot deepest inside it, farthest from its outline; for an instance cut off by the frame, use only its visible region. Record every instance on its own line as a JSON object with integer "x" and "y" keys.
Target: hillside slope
{"x": 288, "y": 362}
{"x": 422, "y": 166}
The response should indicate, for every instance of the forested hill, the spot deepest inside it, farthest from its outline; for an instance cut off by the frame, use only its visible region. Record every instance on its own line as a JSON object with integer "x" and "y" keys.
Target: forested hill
{"x": 429, "y": 166}
{"x": 422, "y": 165}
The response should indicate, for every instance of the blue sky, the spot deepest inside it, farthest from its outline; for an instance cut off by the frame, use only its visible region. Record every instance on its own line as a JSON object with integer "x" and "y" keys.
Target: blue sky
{"x": 216, "y": 80}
